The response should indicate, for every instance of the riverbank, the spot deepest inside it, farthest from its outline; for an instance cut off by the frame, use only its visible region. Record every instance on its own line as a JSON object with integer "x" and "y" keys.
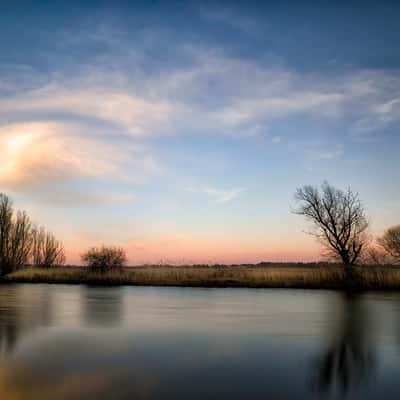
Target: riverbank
{"x": 321, "y": 277}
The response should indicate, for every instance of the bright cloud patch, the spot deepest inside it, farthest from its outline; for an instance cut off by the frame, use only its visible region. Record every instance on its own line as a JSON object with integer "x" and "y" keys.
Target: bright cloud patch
{"x": 40, "y": 153}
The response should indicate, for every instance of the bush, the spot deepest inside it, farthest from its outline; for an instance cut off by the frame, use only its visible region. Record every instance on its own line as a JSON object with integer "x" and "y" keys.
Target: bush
{"x": 390, "y": 241}
{"x": 105, "y": 258}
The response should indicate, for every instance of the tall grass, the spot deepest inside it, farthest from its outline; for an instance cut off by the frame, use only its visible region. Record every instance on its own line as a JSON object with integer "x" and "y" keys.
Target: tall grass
{"x": 330, "y": 277}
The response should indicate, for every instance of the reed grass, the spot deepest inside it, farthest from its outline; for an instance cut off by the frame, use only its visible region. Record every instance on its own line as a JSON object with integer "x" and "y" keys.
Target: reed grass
{"x": 329, "y": 277}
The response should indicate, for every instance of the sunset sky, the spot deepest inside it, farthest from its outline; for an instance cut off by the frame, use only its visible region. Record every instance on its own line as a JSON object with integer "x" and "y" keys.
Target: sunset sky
{"x": 181, "y": 130}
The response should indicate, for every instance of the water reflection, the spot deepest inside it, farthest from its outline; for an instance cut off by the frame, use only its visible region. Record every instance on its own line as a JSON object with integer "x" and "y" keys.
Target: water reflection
{"x": 73, "y": 342}
{"x": 22, "y": 310}
{"x": 348, "y": 362}
{"x": 102, "y": 307}
{"x": 8, "y": 335}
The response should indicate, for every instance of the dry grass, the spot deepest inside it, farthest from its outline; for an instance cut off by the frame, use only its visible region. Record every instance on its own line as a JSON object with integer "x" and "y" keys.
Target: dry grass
{"x": 329, "y": 277}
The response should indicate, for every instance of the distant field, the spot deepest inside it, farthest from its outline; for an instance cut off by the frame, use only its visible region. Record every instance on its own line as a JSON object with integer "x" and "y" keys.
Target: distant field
{"x": 270, "y": 276}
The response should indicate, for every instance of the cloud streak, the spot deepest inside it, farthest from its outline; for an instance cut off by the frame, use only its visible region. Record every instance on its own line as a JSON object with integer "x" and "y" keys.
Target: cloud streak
{"x": 210, "y": 91}
{"x": 223, "y": 196}
{"x": 120, "y": 110}
{"x": 99, "y": 120}
{"x": 218, "y": 195}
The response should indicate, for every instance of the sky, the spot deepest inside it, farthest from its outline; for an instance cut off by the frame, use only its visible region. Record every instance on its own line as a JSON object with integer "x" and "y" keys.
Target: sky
{"x": 181, "y": 130}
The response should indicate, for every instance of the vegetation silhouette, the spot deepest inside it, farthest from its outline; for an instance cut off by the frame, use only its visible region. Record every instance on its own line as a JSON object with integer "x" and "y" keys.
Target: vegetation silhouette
{"x": 21, "y": 242}
{"x": 104, "y": 259}
{"x": 390, "y": 241}
{"x": 339, "y": 220}
{"x": 328, "y": 276}
{"x": 339, "y": 223}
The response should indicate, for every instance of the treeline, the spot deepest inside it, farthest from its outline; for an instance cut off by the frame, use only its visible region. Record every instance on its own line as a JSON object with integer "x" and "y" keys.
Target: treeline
{"x": 338, "y": 221}
{"x": 23, "y": 242}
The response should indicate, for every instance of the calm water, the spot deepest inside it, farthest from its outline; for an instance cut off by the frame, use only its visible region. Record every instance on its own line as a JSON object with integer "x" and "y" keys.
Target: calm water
{"x": 77, "y": 342}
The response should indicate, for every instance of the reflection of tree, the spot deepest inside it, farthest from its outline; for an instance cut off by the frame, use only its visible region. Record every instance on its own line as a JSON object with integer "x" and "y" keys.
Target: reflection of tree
{"x": 348, "y": 361}
{"x": 20, "y": 312}
{"x": 8, "y": 336}
{"x": 102, "y": 306}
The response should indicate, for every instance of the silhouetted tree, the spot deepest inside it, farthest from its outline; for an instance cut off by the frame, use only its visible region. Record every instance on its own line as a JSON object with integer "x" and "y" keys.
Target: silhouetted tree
{"x": 390, "y": 241}
{"x": 15, "y": 237}
{"x": 20, "y": 242}
{"x": 47, "y": 251}
{"x": 375, "y": 255}
{"x": 6, "y": 213}
{"x": 339, "y": 220}
{"x": 105, "y": 258}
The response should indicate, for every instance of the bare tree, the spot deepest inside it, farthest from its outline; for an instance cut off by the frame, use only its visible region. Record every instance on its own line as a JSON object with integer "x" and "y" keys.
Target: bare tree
{"x": 15, "y": 238}
{"x": 390, "y": 241}
{"x": 6, "y": 214}
{"x": 339, "y": 220}
{"x": 105, "y": 258}
{"x": 374, "y": 255}
{"x": 47, "y": 251}
{"x": 20, "y": 240}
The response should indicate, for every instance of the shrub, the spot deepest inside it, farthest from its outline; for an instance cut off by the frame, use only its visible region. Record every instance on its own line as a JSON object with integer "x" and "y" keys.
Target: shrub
{"x": 390, "y": 241}
{"x": 104, "y": 259}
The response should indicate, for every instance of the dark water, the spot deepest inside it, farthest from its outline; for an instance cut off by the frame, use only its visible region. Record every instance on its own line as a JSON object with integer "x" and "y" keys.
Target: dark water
{"x": 76, "y": 342}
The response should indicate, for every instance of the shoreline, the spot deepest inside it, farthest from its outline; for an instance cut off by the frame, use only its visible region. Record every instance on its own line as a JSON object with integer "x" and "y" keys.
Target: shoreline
{"x": 325, "y": 277}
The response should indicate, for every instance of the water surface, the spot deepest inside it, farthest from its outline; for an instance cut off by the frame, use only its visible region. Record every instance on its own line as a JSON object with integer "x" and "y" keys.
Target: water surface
{"x": 79, "y": 342}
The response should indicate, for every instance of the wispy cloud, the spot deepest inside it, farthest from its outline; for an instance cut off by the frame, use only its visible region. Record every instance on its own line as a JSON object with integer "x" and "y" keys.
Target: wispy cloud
{"x": 241, "y": 97}
{"x": 122, "y": 111}
{"x": 317, "y": 153}
{"x": 97, "y": 120}
{"x": 61, "y": 196}
{"x": 218, "y": 195}
{"x": 245, "y": 111}
{"x": 328, "y": 155}
{"x": 207, "y": 91}
{"x": 223, "y": 196}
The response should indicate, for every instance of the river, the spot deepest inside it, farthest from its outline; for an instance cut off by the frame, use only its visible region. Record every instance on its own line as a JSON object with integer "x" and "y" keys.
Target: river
{"x": 80, "y": 342}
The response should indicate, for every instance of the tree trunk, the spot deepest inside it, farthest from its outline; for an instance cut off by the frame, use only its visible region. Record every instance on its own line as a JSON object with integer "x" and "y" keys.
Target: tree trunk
{"x": 345, "y": 258}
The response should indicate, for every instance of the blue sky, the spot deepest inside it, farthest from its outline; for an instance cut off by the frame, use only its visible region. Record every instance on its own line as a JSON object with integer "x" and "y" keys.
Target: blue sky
{"x": 180, "y": 130}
